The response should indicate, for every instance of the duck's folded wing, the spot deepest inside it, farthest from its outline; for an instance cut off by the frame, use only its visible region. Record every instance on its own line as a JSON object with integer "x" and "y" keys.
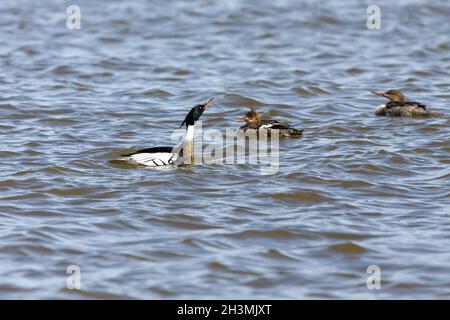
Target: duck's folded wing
{"x": 153, "y": 157}
{"x": 272, "y": 124}
{"x": 405, "y": 104}
{"x": 285, "y": 129}
{"x": 420, "y": 105}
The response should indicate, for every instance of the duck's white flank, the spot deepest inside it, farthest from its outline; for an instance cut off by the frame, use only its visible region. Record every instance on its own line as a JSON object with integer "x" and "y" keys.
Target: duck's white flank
{"x": 154, "y": 159}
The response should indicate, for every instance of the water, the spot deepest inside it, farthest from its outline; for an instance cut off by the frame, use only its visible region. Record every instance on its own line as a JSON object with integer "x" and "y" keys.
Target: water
{"x": 356, "y": 190}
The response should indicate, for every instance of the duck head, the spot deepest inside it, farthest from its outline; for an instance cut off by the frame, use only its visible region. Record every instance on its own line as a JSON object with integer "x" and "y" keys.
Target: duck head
{"x": 196, "y": 112}
{"x": 250, "y": 117}
{"x": 392, "y": 95}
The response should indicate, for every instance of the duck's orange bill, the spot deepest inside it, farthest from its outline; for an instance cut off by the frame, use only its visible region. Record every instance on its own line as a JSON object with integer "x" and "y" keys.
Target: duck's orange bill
{"x": 380, "y": 94}
{"x": 208, "y": 103}
{"x": 241, "y": 120}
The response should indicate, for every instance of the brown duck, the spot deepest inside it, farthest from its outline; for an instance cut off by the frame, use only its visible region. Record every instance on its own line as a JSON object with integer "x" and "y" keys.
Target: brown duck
{"x": 400, "y": 106}
{"x": 253, "y": 121}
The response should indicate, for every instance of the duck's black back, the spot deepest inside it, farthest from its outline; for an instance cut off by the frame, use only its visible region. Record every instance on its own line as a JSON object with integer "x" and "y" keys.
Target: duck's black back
{"x": 151, "y": 150}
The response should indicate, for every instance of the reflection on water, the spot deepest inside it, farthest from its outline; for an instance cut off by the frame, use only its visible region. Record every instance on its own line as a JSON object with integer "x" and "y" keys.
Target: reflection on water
{"x": 355, "y": 190}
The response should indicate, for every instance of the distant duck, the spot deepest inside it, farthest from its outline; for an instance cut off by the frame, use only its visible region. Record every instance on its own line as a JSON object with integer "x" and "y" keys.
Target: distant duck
{"x": 163, "y": 156}
{"x": 254, "y": 122}
{"x": 399, "y": 106}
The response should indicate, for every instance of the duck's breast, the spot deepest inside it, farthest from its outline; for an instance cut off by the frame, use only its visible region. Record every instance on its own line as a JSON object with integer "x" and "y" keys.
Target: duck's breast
{"x": 380, "y": 110}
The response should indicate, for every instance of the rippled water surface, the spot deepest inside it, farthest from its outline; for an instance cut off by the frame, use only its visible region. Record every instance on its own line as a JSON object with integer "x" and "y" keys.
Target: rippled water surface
{"x": 356, "y": 190}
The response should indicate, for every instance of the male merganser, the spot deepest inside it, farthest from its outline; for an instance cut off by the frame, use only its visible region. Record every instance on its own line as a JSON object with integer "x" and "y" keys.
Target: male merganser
{"x": 399, "y": 106}
{"x": 254, "y": 122}
{"x": 163, "y": 156}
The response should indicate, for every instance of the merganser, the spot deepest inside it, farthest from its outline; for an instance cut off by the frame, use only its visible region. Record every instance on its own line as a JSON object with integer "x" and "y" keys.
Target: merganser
{"x": 399, "y": 106}
{"x": 163, "y": 156}
{"x": 254, "y": 122}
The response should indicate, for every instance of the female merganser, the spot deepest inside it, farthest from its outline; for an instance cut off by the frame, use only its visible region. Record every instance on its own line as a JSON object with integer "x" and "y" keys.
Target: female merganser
{"x": 399, "y": 106}
{"x": 183, "y": 152}
{"x": 254, "y": 122}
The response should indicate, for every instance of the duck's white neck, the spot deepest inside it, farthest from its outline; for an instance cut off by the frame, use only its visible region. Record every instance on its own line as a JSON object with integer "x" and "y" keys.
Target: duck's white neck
{"x": 187, "y": 145}
{"x": 189, "y": 136}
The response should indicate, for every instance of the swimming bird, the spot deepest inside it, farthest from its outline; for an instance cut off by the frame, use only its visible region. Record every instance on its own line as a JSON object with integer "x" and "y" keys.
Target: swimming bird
{"x": 400, "y": 106}
{"x": 183, "y": 152}
{"x": 254, "y": 122}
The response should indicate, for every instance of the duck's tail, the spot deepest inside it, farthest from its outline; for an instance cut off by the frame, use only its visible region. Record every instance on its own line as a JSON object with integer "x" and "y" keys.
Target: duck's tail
{"x": 295, "y": 132}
